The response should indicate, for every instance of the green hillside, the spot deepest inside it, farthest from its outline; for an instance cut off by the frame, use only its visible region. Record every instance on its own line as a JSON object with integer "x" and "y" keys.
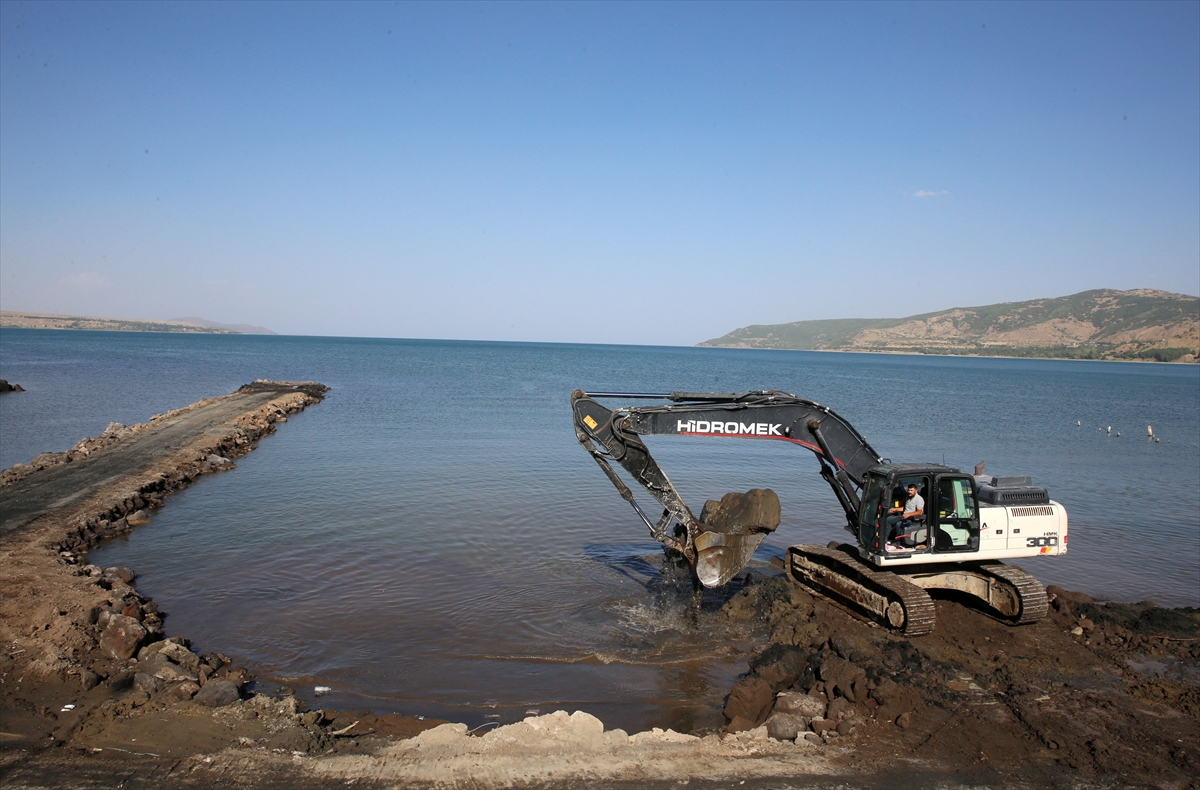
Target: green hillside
{"x": 1097, "y": 324}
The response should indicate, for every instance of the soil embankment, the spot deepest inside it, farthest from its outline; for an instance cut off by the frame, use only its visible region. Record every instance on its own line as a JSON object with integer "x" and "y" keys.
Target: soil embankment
{"x": 1094, "y": 695}
{"x": 93, "y": 691}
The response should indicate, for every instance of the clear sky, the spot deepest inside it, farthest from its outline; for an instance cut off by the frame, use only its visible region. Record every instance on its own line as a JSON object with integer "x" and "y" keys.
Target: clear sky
{"x": 627, "y": 173}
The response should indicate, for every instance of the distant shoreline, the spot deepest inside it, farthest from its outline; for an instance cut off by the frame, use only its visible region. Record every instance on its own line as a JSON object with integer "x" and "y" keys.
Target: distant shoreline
{"x": 16, "y": 319}
{"x": 932, "y": 354}
{"x": 190, "y": 329}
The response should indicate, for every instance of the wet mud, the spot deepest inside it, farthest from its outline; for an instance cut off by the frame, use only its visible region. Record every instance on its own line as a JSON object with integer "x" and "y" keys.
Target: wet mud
{"x": 1097, "y": 694}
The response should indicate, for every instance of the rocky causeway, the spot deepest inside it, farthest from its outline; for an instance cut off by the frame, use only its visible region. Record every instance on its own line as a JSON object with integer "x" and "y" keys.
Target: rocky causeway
{"x": 94, "y": 689}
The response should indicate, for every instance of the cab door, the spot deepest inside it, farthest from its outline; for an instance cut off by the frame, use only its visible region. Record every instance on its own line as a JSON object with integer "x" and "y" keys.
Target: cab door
{"x": 871, "y": 512}
{"x": 954, "y": 515}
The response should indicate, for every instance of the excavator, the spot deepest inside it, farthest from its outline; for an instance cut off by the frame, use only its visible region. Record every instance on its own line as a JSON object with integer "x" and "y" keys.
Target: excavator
{"x": 968, "y": 524}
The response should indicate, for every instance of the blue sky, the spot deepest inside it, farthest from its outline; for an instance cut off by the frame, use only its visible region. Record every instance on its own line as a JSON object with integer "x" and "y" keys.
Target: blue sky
{"x": 627, "y": 173}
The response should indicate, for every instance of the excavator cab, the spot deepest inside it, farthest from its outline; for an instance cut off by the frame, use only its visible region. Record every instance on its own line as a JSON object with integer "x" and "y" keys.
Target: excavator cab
{"x": 950, "y": 518}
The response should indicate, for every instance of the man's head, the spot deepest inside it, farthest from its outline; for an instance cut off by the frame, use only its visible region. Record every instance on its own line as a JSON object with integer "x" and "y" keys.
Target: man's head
{"x": 912, "y": 489}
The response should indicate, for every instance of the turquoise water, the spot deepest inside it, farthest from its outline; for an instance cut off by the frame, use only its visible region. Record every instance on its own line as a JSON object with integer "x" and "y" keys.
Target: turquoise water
{"x": 431, "y": 539}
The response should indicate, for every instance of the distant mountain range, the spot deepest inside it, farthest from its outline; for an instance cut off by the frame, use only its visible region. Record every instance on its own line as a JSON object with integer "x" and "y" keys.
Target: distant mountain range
{"x": 241, "y": 329}
{"x": 1099, "y": 324}
{"x": 9, "y": 318}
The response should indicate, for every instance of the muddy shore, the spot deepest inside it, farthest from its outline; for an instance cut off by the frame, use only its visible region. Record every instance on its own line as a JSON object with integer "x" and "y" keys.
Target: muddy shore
{"x": 93, "y": 686}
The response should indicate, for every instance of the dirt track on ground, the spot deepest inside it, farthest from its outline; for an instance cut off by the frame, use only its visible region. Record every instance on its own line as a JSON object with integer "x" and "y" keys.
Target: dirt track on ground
{"x": 91, "y": 694}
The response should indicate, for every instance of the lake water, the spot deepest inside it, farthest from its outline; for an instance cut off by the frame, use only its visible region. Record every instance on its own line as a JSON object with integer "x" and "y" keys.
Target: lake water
{"x": 431, "y": 539}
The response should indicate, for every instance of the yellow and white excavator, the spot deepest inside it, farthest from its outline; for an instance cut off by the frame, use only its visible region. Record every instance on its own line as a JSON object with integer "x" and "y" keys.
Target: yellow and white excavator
{"x": 966, "y": 525}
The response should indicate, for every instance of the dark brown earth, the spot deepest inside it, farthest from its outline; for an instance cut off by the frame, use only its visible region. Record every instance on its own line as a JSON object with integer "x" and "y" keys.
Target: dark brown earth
{"x": 94, "y": 694}
{"x": 1096, "y": 693}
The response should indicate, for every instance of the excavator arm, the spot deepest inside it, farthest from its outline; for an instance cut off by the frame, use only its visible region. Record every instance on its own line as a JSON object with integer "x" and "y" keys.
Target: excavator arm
{"x": 614, "y": 435}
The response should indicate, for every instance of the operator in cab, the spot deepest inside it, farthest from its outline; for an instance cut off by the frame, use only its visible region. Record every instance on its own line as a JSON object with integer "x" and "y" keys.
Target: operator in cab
{"x": 901, "y": 518}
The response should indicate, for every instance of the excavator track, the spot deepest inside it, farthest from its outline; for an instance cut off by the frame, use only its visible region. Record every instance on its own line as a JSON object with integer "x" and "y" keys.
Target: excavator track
{"x": 1030, "y": 592}
{"x": 883, "y": 596}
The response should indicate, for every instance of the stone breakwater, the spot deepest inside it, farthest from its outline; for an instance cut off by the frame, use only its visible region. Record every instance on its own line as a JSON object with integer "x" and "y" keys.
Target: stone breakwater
{"x": 71, "y": 629}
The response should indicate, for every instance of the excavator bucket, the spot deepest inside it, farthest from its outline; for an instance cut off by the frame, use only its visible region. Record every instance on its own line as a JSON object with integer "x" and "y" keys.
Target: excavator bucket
{"x": 731, "y": 530}
{"x": 721, "y": 557}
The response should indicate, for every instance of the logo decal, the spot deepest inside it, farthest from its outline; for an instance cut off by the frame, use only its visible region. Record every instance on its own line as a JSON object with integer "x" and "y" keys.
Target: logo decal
{"x": 589, "y": 422}
{"x": 730, "y": 428}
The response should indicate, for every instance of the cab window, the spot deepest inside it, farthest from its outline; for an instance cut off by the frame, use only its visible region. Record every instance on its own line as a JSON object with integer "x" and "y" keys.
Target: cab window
{"x": 957, "y": 500}
{"x": 872, "y": 510}
{"x": 873, "y": 504}
{"x": 957, "y": 526}
{"x": 900, "y": 493}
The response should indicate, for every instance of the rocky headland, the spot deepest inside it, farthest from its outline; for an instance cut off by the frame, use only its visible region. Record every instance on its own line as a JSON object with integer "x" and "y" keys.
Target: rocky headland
{"x": 1145, "y": 325}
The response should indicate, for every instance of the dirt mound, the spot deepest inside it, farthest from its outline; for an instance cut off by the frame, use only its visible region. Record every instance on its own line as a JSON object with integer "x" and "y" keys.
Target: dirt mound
{"x": 1092, "y": 692}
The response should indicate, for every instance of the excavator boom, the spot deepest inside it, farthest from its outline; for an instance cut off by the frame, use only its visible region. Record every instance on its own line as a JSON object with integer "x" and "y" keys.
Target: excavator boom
{"x": 716, "y": 556}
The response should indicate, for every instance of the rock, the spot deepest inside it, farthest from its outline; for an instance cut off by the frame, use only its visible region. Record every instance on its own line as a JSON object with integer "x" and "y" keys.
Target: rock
{"x": 218, "y": 693}
{"x": 657, "y": 735}
{"x": 749, "y": 701}
{"x": 846, "y": 726}
{"x": 840, "y": 675}
{"x": 218, "y": 462}
{"x": 845, "y": 646}
{"x": 88, "y": 679}
{"x": 173, "y": 673}
{"x": 786, "y": 726}
{"x": 812, "y": 738}
{"x": 821, "y": 726}
{"x": 904, "y": 720}
{"x": 148, "y": 683}
{"x": 181, "y": 656}
{"x": 780, "y": 665}
{"x": 578, "y": 731}
{"x": 839, "y": 709}
{"x": 1068, "y": 596}
{"x": 805, "y": 705}
{"x": 122, "y": 636}
{"x": 181, "y": 691}
{"x": 149, "y": 650}
{"x": 163, "y": 668}
{"x": 6, "y": 387}
{"x": 885, "y": 691}
{"x": 311, "y": 718}
{"x": 757, "y": 510}
{"x": 138, "y": 518}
